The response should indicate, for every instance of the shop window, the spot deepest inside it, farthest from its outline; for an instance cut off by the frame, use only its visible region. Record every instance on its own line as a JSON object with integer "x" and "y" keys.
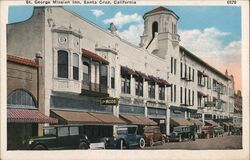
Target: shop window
{"x": 139, "y": 87}
{"x": 62, "y": 66}
{"x": 151, "y": 90}
{"x": 75, "y": 66}
{"x": 112, "y": 77}
{"x": 125, "y": 84}
{"x": 161, "y": 92}
{"x": 21, "y": 98}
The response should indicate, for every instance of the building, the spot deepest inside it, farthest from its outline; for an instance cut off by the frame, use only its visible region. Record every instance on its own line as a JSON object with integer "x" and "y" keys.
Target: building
{"x": 83, "y": 63}
{"x": 23, "y": 116}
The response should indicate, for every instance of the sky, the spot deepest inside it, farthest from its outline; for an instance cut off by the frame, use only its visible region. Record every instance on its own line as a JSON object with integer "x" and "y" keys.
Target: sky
{"x": 213, "y": 33}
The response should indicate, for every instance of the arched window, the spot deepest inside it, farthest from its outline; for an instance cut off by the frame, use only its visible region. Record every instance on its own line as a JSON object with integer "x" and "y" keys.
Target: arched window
{"x": 154, "y": 28}
{"x": 75, "y": 66}
{"x": 21, "y": 98}
{"x": 62, "y": 67}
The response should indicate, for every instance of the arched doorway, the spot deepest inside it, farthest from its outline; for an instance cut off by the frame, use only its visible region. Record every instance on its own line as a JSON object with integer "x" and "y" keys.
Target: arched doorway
{"x": 154, "y": 28}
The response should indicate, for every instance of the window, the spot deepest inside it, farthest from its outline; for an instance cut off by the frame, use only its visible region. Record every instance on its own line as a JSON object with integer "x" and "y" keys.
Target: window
{"x": 199, "y": 98}
{"x": 21, "y": 98}
{"x": 171, "y": 93}
{"x": 189, "y": 73}
{"x": 185, "y": 71}
{"x": 174, "y": 93}
{"x": 62, "y": 67}
{"x": 63, "y": 131}
{"x": 154, "y": 28}
{"x": 86, "y": 75}
{"x": 201, "y": 79}
{"x": 185, "y": 96}
{"x": 75, "y": 66}
{"x": 192, "y": 97}
{"x": 151, "y": 89}
{"x": 189, "y": 97}
{"x": 174, "y": 66}
{"x": 50, "y": 131}
{"x": 161, "y": 92}
{"x": 125, "y": 84}
{"x": 181, "y": 95}
{"x": 181, "y": 70}
{"x": 193, "y": 75}
{"x": 172, "y": 59}
{"x": 73, "y": 131}
{"x": 112, "y": 77}
{"x": 103, "y": 78}
{"x": 139, "y": 87}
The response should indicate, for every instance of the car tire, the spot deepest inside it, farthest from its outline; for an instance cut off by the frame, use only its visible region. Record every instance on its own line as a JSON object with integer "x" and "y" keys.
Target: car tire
{"x": 151, "y": 142}
{"x": 39, "y": 147}
{"x": 83, "y": 145}
{"x": 142, "y": 143}
{"x": 163, "y": 141}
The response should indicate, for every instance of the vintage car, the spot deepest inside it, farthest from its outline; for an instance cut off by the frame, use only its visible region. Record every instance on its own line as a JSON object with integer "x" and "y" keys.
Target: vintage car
{"x": 126, "y": 137}
{"x": 59, "y": 137}
{"x": 207, "y": 132}
{"x": 181, "y": 133}
{"x": 153, "y": 135}
{"x": 236, "y": 130}
{"x": 218, "y": 130}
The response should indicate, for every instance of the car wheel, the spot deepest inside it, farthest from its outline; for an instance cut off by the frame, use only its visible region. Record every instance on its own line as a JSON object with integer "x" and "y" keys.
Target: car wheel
{"x": 142, "y": 143}
{"x": 180, "y": 138}
{"x": 151, "y": 142}
{"x": 163, "y": 140}
{"x": 39, "y": 147}
{"x": 83, "y": 145}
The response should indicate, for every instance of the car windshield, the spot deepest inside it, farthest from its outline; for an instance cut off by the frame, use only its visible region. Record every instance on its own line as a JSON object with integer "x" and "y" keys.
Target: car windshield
{"x": 49, "y": 131}
{"x": 122, "y": 130}
{"x": 148, "y": 131}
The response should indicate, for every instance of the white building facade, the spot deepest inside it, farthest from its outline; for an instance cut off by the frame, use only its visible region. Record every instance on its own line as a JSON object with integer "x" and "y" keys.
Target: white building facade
{"x": 83, "y": 63}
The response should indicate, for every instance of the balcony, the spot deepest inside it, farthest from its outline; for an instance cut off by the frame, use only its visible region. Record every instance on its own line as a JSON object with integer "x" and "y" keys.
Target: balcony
{"x": 94, "y": 89}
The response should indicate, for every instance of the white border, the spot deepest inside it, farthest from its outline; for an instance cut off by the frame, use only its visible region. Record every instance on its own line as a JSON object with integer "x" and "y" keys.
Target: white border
{"x": 242, "y": 154}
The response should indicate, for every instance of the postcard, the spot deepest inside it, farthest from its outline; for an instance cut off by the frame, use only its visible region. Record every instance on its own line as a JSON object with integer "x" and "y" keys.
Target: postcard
{"x": 124, "y": 79}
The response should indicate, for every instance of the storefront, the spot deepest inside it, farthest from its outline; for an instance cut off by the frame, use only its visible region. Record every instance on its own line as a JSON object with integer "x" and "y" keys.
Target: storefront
{"x": 159, "y": 116}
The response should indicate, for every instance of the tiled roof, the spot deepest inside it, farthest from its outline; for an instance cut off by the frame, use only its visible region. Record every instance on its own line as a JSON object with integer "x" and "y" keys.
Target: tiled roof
{"x": 28, "y": 116}
{"x": 94, "y": 56}
{"x": 159, "y": 9}
{"x": 22, "y": 61}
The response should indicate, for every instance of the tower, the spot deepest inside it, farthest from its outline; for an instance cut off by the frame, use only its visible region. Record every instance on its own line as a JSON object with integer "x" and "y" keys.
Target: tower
{"x": 160, "y": 31}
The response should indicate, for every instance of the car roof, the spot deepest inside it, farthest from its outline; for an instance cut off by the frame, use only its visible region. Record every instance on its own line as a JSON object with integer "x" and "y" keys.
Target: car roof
{"x": 126, "y": 126}
{"x": 151, "y": 127}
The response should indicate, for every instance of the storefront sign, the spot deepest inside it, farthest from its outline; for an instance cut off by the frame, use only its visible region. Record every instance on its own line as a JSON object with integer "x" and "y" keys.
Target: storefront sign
{"x": 109, "y": 101}
{"x": 209, "y": 104}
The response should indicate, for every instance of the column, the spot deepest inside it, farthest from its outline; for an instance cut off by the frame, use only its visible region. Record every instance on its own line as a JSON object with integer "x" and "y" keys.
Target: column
{"x": 189, "y": 114}
{"x": 167, "y": 121}
{"x": 203, "y": 118}
{"x": 185, "y": 113}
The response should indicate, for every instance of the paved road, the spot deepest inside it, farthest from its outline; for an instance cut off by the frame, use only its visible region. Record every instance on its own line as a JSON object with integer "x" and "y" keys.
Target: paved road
{"x": 225, "y": 142}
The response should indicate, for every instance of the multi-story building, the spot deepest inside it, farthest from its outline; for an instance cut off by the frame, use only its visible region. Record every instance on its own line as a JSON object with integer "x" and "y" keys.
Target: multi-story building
{"x": 156, "y": 83}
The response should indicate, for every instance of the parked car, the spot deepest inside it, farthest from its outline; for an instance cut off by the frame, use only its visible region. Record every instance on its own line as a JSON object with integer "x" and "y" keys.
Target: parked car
{"x": 126, "y": 137}
{"x": 181, "y": 133}
{"x": 218, "y": 130}
{"x": 236, "y": 130}
{"x": 207, "y": 132}
{"x": 153, "y": 135}
{"x": 59, "y": 137}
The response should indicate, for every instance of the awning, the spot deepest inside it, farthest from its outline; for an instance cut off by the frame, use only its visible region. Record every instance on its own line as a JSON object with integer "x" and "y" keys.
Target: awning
{"x": 163, "y": 82}
{"x": 77, "y": 117}
{"x": 211, "y": 123}
{"x": 127, "y": 70}
{"x": 74, "y": 117}
{"x": 28, "y": 116}
{"x": 108, "y": 118}
{"x": 202, "y": 94}
{"x": 142, "y": 75}
{"x": 226, "y": 123}
{"x": 138, "y": 120}
{"x": 94, "y": 56}
{"x": 180, "y": 122}
{"x": 196, "y": 121}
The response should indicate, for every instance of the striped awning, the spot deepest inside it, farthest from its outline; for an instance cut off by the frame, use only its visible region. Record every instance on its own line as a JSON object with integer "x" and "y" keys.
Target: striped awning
{"x": 28, "y": 116}
{"x": 211, "y": 123}
{"x": 196, "y": 122}
{"x": 180, "y": 122}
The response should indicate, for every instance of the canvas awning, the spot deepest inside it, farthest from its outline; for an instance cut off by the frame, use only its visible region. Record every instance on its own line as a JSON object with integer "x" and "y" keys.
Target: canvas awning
{"x": 196, "y": 121}
{"x": 211, "y": 123}
{"x": 78, "y": 117}
{"x": 28, "y": 116}
{"x": 127, "y": 70}
{"x": 138, "y": 120}
{"x": 180, "y": 122}
{"x": 107, "y": 118}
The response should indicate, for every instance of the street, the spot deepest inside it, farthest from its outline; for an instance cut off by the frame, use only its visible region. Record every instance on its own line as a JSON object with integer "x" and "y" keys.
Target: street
{"x": 225, "y": 142}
